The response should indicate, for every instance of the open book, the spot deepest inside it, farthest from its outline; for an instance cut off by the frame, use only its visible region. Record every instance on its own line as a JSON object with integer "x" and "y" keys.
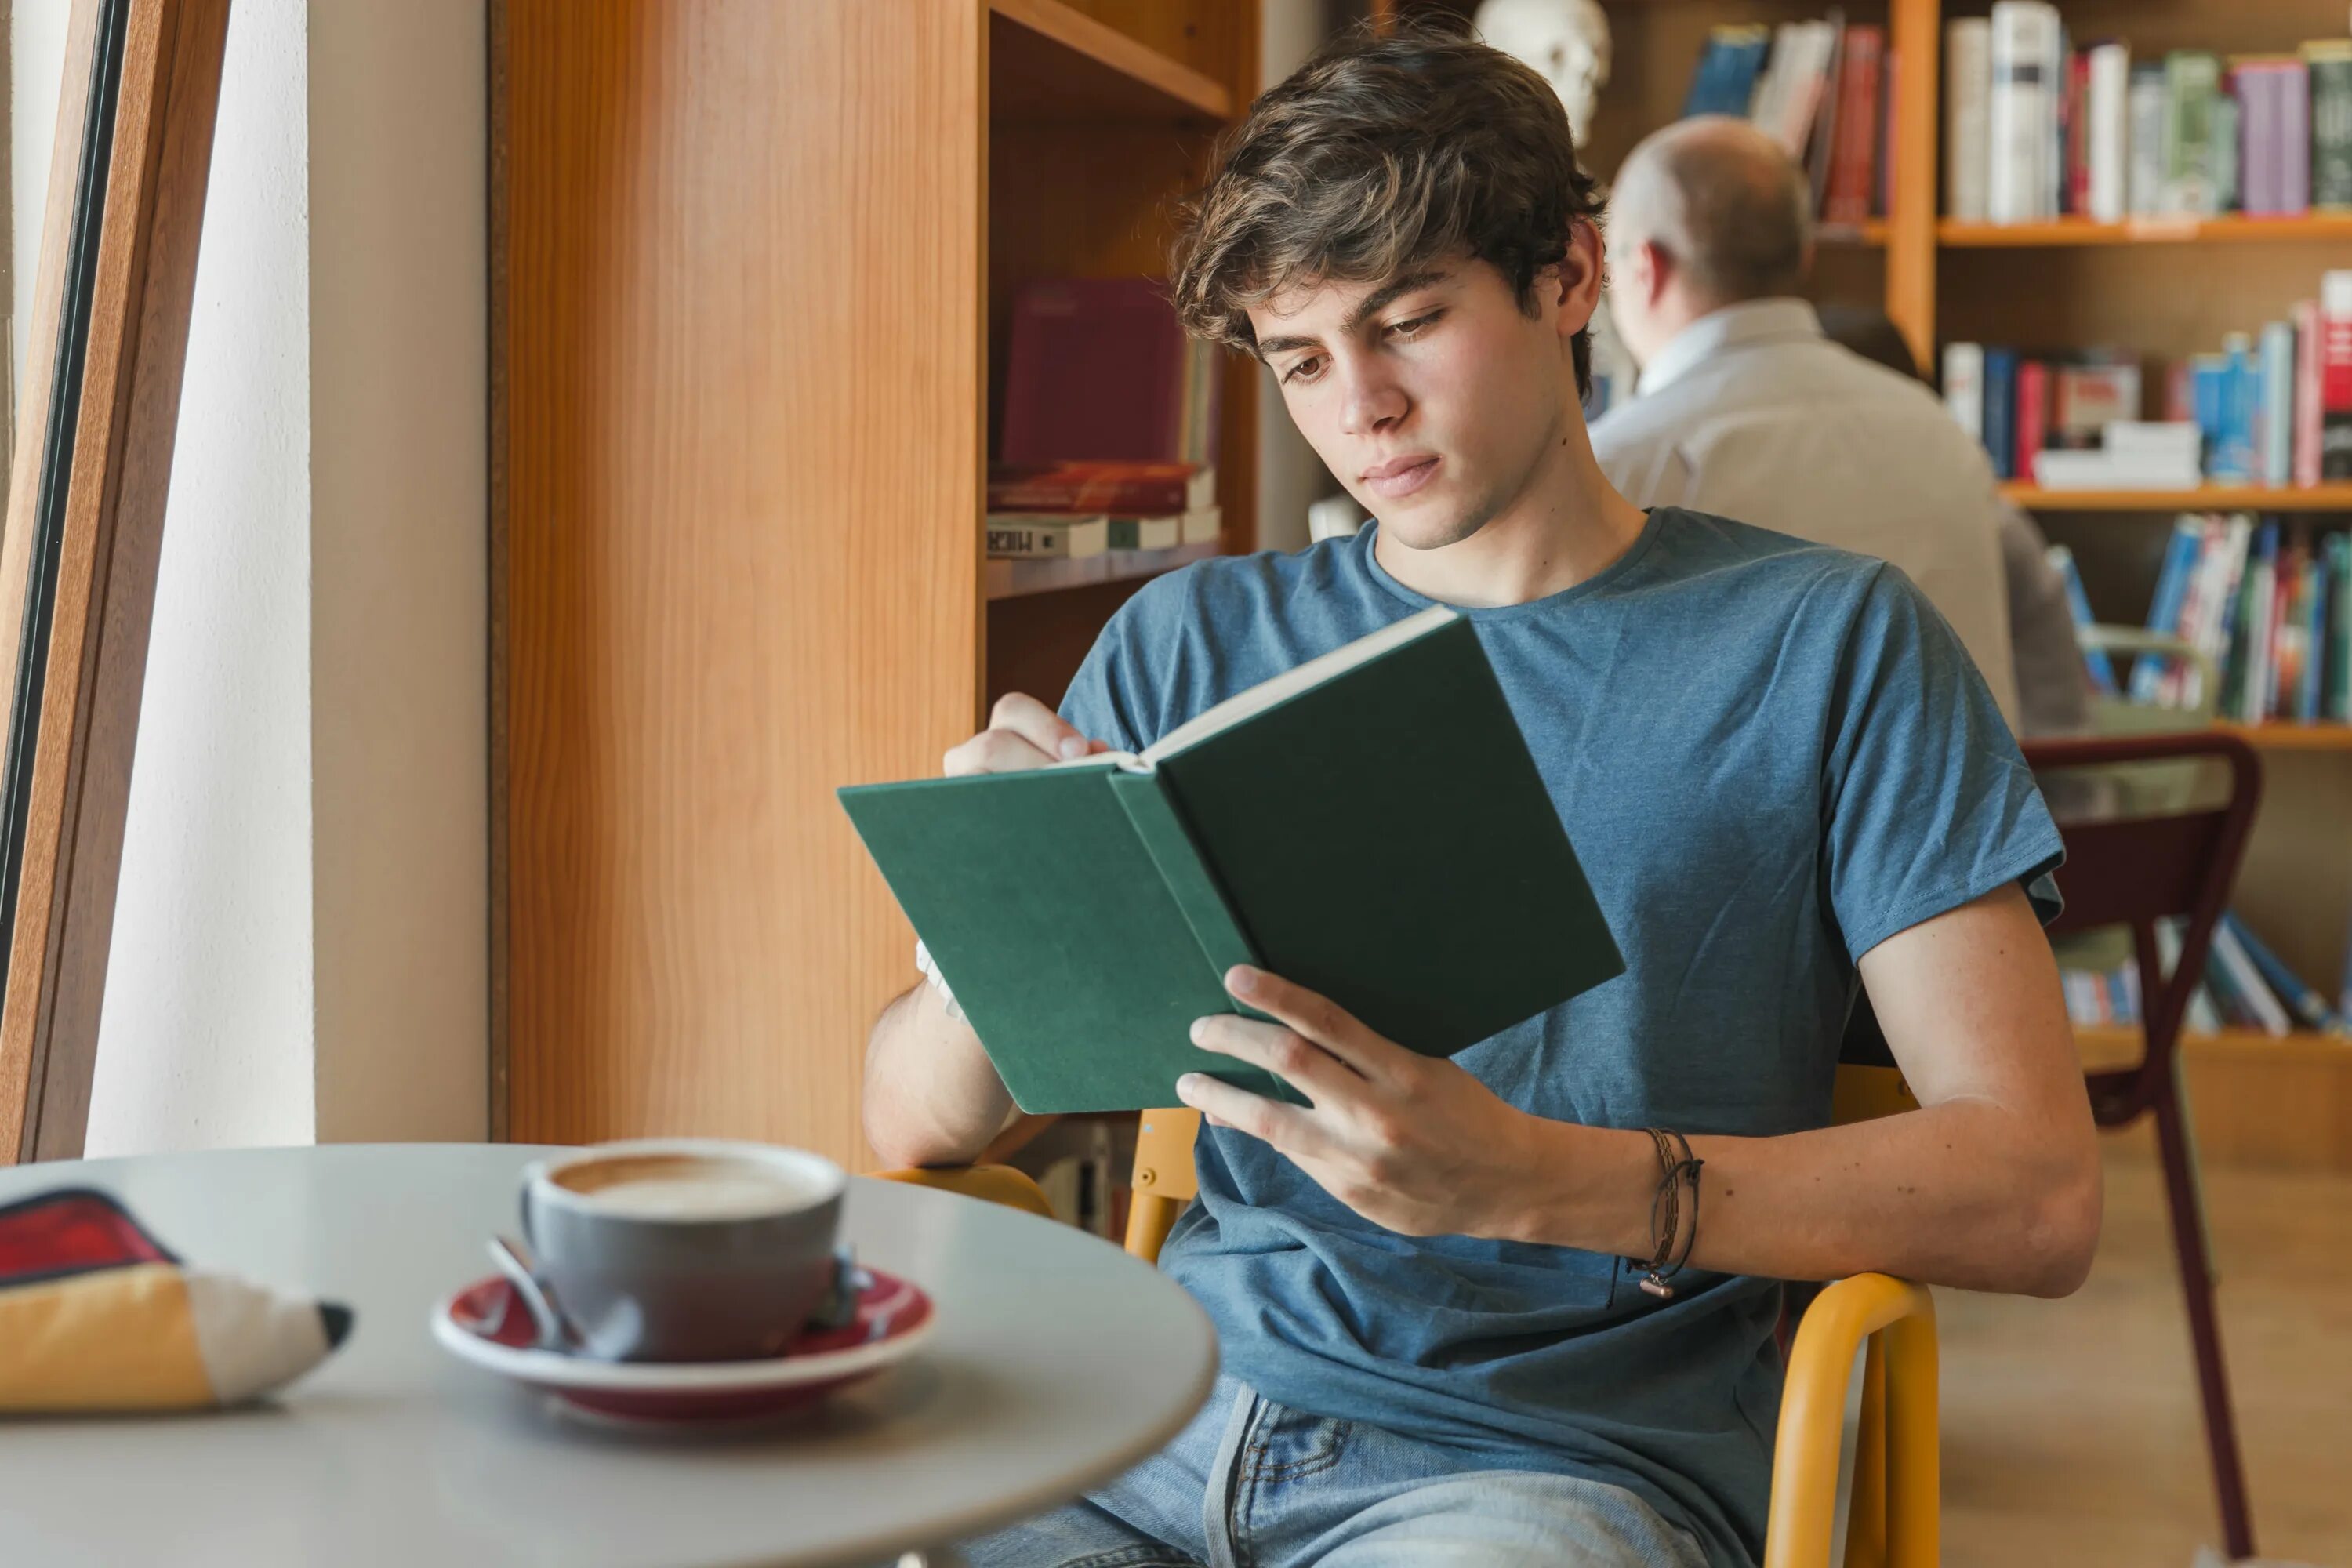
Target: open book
{"x": 1369, "y": 825}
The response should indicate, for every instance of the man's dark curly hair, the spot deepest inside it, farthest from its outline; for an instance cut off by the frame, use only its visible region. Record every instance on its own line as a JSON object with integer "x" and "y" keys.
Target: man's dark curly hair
{"x": 1384, "y": 153}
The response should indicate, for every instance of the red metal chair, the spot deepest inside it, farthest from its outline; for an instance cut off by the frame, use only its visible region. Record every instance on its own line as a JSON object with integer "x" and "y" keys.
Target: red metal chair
{"x": 2135, "y": 869}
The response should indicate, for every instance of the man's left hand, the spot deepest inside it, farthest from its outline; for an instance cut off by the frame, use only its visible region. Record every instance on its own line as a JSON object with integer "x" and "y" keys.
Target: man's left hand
{"x": 1411, "y": 1143}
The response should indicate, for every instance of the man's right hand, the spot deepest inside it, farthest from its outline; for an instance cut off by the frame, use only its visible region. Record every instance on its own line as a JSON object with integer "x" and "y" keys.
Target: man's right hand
{"x": 1021, "y": 732}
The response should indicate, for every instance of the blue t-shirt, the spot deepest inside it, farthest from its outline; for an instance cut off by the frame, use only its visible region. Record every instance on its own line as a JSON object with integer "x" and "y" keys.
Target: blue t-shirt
{"x": 1770, "y": 756}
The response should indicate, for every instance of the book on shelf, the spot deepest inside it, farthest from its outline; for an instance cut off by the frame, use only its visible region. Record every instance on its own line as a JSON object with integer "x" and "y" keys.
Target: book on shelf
{"x": 2268, "y": 602}
{"x": 2036, "y": 127}
{"x": 1822, "y": 89}
{"x": 2272, "y": 408}
{"x": 1134, "y": 490}
{"x": 1046, "y": 536}
{"x": 2244, "y": 985}
{"x": 2095, "y": 663}
{"x": 1084, "y": 914}
{"x": 1100, "y": 368}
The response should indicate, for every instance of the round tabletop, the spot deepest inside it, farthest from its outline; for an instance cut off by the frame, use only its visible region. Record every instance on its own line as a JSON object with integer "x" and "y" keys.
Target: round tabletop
{"x": 1058, "y": 1362}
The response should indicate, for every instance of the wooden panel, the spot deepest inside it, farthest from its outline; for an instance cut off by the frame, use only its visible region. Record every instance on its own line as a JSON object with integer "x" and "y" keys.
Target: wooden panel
{"x": 740, "y": 334}
{"x": 1218, "y": 38}
{"x": 2337, "y": 497}
{"x": 2327, "y": 228}
{"x": 1048, "y": 62}
{"x": 1916, "y": 36}
{"x": 96, "y": 660}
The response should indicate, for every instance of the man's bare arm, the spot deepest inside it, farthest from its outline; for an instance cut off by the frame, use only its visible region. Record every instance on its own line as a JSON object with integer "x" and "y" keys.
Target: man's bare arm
{"x": 1994, "y": 1184}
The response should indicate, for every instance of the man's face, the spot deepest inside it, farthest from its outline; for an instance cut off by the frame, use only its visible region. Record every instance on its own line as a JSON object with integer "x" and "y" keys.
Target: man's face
{"x": 1433, "y": 396}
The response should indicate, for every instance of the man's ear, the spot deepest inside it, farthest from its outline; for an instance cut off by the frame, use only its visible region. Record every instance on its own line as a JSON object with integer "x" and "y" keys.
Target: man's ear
{"x": 1575, "y": 282}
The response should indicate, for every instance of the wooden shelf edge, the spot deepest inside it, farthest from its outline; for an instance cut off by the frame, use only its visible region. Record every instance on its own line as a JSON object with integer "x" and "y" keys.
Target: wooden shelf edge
{"x": 1018, "y": 579}
{"x": 2332, "y": 496}
{"x": 2285, "y": 735}
{"x": 1114, "y": 51}
{"x": 1869, "y": 232}
{"x": 2224, "y": 230}
{"x": 2111, "y": 1045}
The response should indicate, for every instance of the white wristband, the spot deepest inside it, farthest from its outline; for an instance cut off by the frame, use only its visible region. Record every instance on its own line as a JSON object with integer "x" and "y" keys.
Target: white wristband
{"x": 938, "y": 982}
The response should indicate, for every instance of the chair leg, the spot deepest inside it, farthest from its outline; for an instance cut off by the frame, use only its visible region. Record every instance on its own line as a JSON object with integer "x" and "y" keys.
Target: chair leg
{"x": 2189, "y": 1238}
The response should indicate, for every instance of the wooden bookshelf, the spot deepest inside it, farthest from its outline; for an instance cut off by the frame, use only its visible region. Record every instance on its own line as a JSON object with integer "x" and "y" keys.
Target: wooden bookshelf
{"x": 2231, "y": 229}
{"x": 2283, "y": 1102}
{"x": 2335, "y": 497}
{"x": 1012, "y": 579}
{"x": 798, "y": 226}
{"x": 1050, "y": 62}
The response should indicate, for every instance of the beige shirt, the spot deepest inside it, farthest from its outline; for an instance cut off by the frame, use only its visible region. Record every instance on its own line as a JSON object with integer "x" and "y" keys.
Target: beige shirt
{"x": 1751, "y": 414}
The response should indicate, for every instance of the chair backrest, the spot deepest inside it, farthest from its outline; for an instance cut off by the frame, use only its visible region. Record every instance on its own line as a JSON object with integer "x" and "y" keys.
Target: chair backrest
{"x": 2138, "y": 867}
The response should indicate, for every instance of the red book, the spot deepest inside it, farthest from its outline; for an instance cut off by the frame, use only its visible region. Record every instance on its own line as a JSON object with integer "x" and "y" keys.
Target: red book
{"x": 1122, "y": 490}
{"x": 1854, "y": 163}
{"x": 2335, "y": 376}
{"x": 2032, "y": 415}
{"x": 2078, "y": 134}
{"x": 1094, "y": 367}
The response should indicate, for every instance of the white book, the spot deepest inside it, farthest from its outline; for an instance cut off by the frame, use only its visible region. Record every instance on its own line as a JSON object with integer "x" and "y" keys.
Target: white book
{"x": 2247, "y": 982}
{"x": 1046, "y": 536}
{"x": 1967, "y": 110}
{"x": 2107, "y": 107}
{"x": 2056, "y": 73}
{"x": 2017, "y": 172}
{"x": 1771, "y": 82}
{"x": 1202, "y": 524}
{"x": 2202, "y": 1017}
{"x": 2260, "y": 611}
{"x": 1146, "y": 533}
{"x": 2229, "y": 571}
{"x": 1964, "y": 387}
{"x": 2144, "y": 182}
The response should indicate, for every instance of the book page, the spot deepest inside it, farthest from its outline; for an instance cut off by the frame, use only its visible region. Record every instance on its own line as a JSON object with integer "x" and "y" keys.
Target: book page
{"x": 1290, "y": 683}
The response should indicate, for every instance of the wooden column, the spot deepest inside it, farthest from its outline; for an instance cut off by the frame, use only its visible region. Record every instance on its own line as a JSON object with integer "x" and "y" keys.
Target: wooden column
{"x": 1916, "y": 34}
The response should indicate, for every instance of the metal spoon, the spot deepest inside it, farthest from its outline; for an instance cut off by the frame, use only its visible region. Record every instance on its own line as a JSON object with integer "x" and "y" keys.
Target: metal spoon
{"x": 515, "y": 1264}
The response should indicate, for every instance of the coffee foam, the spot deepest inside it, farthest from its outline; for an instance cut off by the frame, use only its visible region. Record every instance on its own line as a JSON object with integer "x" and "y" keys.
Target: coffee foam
{"x": 684, "y": 1186}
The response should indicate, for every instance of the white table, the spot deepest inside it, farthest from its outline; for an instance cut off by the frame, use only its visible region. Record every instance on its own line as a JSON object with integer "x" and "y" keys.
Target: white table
{"x": 1058, "y": 1362}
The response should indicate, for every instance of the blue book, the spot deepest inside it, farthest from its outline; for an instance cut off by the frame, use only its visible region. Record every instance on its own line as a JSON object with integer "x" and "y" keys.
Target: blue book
{"x": 2209, "y": 396}
{"x": 2233, "y": 458}
{"x": 2164, "y": 609}
{"x": 1706, "y": 79}
{"x": 2078, "y": 604}
{"x": 2301, "y": 1000}
{"x": 2001, "y": 410}
{"x": 2275, "y": 423}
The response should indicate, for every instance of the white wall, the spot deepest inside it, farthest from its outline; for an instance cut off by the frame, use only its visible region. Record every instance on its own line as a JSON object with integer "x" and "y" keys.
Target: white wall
{"x": 300, "y": 929}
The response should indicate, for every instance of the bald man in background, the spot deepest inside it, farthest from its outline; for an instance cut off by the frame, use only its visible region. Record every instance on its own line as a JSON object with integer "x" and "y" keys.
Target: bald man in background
{"x": 1745, "y": 409}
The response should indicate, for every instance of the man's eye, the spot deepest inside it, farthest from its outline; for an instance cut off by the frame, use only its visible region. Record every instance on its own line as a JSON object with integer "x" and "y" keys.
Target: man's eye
{"x": 1415, "y": 326}
{"x": 1304, "y": 370}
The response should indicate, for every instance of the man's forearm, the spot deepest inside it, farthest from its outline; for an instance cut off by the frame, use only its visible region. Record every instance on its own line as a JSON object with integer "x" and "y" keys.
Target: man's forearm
{"x": 933, "y": 1097}
{"x": 1961, "y": 1194}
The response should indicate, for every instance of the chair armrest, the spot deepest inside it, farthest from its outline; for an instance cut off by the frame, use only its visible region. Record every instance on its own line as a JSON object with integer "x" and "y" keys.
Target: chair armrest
{"x": 1812, "y": 1424}
{"x": 989, "y": 1184}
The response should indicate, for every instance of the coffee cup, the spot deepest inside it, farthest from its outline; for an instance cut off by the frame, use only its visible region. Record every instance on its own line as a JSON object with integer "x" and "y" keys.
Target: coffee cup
{"x": 684, "y": 1249}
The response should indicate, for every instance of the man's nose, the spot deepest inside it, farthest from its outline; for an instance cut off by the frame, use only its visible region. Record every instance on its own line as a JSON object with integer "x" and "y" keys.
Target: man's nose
{"x": 1370, "y": 399}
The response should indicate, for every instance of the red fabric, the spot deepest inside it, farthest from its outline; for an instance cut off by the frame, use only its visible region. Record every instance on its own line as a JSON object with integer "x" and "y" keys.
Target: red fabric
{"x": 70, "y": 1232}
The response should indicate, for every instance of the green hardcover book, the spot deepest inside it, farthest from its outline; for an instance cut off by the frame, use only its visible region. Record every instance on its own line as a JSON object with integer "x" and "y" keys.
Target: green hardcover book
{"x": 2329, "y": 61}
{"x": 2192, "y": 81}
{"x": 2336, "y": 679}
{"x": 1369, "y": 825}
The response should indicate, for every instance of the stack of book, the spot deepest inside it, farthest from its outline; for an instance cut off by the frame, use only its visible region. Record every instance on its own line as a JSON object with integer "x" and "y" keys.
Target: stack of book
{"x": 2271, "y": 408}
{"x": 1053, "y": 510}
{"x": 1109, "y": 428}
{"x": 2271, "y": 604}
{"x": 1823, "y": 90}
{"x": 2245, "y": 986}
{"x": 2036, "y": 128}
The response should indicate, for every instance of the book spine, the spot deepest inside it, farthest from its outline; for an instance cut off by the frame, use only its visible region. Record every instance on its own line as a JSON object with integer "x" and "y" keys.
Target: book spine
{"x": 2032, "y": 415}
{"x": 1968, "y": 123}
{"x": 2221, "y": 155}
{"x": 2001, "y": 410}
{"x": 2336, "y": 682}
{"x": 1964, "y": 387}
{"x": 2107, "y": 109}
{"x": 2314, "y": 636}
{"x": 2306, "y": 435}
{"x": 2164, "y": 606}
{"x": 2235, "y": 460}
{"x": 2335, "y": 376}
{"x": 2329, "y": 67}
{"x": 2095, "y": 663}
{"x": 2294, "y": 139}
{"x": 1045, "y": 541}
{"x": 2260, "y": 161}
{"x": 2144, "y": 187}
{"x": 2019, "y": 116}
{"x": 2306, "y": 1001}
{"x": 2247, "y": 982}
{"x": 1158, "y": 821}
{"x": 1095, "y": 492}
{"x": 2057, "y": 73}
{"x": 1853, "y": 168}
{"x": 2078, "y": 134}
{"x": 2274, "y": 432}
{"x": 2193, "y": 80}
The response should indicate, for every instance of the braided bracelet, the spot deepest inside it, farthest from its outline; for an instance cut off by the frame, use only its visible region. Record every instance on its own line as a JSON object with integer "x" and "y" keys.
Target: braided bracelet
{"x": 1666, "y": 1211}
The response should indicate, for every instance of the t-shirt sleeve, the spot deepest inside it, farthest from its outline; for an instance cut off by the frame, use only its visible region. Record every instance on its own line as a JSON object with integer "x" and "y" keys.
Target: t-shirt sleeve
{"x": 1113, "y": 697}
{"x": 1929, "y": 803}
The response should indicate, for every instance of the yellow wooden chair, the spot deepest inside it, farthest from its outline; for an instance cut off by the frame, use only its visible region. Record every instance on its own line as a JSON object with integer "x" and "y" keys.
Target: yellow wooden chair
{"x": 1892, "y": 1515}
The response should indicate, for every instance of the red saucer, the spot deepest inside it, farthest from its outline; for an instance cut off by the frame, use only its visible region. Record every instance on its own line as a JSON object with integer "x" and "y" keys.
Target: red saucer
{"x": 487, "y": 1324}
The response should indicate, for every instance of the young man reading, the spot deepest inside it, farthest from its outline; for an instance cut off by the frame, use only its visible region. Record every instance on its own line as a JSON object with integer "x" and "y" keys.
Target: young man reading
{"x": 1784, "y": 779}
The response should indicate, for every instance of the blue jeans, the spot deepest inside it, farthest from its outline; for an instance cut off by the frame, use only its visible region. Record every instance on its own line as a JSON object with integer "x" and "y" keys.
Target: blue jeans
{"x": 1250, "y": 1484}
